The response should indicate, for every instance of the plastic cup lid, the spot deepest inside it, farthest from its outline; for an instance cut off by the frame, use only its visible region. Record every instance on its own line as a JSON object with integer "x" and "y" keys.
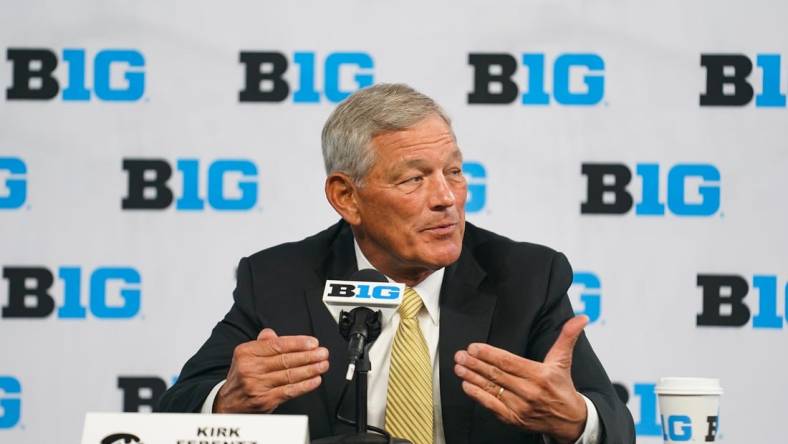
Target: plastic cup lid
{"x": 688, "y": 386}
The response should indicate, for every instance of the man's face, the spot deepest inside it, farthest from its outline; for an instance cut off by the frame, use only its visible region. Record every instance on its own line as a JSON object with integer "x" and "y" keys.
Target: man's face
{"x": 412, "y": 201}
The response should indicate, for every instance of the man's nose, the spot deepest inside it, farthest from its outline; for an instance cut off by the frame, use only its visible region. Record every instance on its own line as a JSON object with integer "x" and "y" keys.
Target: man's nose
{"x": 442, "y": 195}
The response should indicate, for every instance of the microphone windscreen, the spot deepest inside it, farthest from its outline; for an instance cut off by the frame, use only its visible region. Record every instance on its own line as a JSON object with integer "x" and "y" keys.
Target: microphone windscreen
{"x": 368, "y": 275}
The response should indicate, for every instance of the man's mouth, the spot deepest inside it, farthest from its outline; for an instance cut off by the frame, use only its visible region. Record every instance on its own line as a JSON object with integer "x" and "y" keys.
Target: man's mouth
{"x": 441, "y": 229}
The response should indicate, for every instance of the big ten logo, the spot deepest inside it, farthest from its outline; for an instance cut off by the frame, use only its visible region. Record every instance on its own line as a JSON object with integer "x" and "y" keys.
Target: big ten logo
{"x": 679, "y": 428}
{"x": 231, "y": 185}
{"x": 10, "y": 402}
{"x": 118, "y": 75}
{"x": 577, "y": 79}
{"x": 724, "y": 306}
{"x": 692, "y": 189}
{"x": 585, "y": 294}
{"x": 476, "y": 175}
{"x": 113, "y": 293}
{"x": 728, "y": 80}
{"x": 343, "y": 291}
{"x": 266, "y": 78}
{"x": 141, "y": 393}
{"x": 13, "y": 183}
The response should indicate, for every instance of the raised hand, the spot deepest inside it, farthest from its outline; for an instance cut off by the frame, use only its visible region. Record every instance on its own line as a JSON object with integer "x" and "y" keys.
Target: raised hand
{"x": 537, "y": 396}
{"x": 269, "y": 371}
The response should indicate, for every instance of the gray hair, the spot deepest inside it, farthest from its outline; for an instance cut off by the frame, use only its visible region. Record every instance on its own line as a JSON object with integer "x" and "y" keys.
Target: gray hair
{"x": 385, "y": 107}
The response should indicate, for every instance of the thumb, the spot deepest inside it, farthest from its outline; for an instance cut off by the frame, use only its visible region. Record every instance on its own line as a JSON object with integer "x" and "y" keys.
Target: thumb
{"x": 561, "y": 352}
{"x": 267, "y": 333}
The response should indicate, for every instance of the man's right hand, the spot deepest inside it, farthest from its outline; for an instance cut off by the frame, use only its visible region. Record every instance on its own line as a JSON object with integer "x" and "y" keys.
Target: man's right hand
{"x": 269, "y": 371}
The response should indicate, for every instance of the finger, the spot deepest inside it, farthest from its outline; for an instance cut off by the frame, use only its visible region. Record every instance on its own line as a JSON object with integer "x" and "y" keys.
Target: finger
{"x": 504, "y": 360}
{"x": 295, "y": 375}
{"x": 287, "y": 392}
{"x": 266, "y": 333}
{"x": 561, "y": 351}
{"x": 489, "y": 401}
{"x": 284, "y": 344}
{"x": 488, "y": 377}
{"x": 292, "y": 360}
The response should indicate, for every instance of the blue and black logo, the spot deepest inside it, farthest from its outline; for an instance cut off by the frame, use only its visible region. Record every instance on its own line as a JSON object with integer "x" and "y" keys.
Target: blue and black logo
{"x": 495, "y": 79}
{"x": 33, "y": 76}
{"x": 30, "y": 297}
{"x": 265, "y": 76}
{"x": 724, "y": 305}
{"x": 607, "y": 190}
{"x": 728, "y": 80}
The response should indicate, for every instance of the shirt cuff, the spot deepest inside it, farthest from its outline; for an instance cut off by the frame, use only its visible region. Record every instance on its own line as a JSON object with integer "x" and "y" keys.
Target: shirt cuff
{"x": 207, "y": 406}
{"x": 591, "y": 432}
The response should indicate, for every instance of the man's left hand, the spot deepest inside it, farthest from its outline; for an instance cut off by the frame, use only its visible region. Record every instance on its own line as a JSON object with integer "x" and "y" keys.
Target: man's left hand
{"x": 537, "y": 396}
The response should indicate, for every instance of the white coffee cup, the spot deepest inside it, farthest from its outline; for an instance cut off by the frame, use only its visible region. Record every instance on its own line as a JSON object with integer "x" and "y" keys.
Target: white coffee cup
{"x": 689, "y": 409}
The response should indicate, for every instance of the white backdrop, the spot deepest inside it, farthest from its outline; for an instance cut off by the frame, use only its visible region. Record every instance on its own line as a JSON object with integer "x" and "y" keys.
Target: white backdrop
{"x": 69, "y": 213}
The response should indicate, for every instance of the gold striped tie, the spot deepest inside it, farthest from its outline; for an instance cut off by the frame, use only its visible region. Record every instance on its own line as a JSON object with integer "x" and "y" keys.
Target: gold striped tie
{"x": 409, "y": 397}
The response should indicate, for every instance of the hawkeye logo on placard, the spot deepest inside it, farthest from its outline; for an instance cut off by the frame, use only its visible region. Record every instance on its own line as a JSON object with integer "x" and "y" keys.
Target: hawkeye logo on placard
{"x": 13, "y": 183}
{"x": 113, "y": 293}
{"x": 10, "y": 401}
{"x": 268, "y": 76}
{"x": 578, "y": 79}
{"x": 724, "y": 301}
{"x": 585, "y": 294}
{"x": 730, "y": 80}
{"x": 230, "y": 185}
{"x": 118, "y": 75}
{"x": 691, "y": 189}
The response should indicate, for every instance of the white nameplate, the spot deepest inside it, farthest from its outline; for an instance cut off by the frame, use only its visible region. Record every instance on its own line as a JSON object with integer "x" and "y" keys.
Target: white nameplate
{"x": 190, "y": 428}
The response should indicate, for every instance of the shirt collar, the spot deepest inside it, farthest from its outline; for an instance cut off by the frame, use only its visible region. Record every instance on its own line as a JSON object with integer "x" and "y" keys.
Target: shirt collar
{"x": 429, "y": 289}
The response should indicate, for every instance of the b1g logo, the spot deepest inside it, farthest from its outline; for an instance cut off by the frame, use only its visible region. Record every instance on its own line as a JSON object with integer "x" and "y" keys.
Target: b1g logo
{"x": 10, "y": 403}
{"x": 33, "y": 75}
{"x": 589, "y": 300}
{"x": 728, "y": 83}
{"x": 476, "y": 176}
{"x": 493, "y": 81}
{"x": 679, "y": 428}
{"x": 647, "y": 423}
{"x": 607, "y": 189}
{"x": 148, "y": 187}
{"x": 723, "y": 301}
{"x": 13, "y": 183}
{"x": 29, "y": 294}
{"x": 265, "y": 76}
{"x": 384, "y": 294}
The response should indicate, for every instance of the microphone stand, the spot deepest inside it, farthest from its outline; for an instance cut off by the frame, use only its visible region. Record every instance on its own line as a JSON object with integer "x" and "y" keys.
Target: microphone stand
{"x": 362, "y": 436}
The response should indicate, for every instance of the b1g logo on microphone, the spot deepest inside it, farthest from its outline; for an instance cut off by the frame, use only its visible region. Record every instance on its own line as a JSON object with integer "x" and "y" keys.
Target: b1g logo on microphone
{"x": 148, "y": 187}
{"x": 724, "y": 306}
{"x": 374, "y": 294}
{"x": 728, "y": 80}
{"x": 476, "y": 176}
{"x": 10, "y": 402}
{"x": 13, "y": 183}
{"x": 577, "y": 79}
{"x": 692, "y": 189}
{"x": 33, "y": 75}
{"x": 113, "y": 293}
{"x": 343, "y": 73}
{"x": 589, "y": 300}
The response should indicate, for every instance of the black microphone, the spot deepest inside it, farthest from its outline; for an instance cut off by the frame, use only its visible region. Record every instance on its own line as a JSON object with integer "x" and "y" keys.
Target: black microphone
{"x": 361, "y": 325}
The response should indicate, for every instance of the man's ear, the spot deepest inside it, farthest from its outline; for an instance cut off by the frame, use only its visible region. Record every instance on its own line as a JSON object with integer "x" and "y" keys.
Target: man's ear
{"x": 342, "y": 194}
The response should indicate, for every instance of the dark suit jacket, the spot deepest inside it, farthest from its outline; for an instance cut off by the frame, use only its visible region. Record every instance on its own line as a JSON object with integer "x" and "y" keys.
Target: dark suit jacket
{"x": 508, "y": 294}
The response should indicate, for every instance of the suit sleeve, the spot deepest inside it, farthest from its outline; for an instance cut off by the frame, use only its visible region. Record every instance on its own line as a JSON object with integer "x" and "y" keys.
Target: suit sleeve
{"x": 588, "y": 375}
{"x": 210, "y": 364}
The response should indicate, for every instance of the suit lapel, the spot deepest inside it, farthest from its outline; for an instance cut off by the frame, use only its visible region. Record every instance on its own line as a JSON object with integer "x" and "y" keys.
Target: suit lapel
{"x": 465, "y": 317}
{"x": 339, "y": 263}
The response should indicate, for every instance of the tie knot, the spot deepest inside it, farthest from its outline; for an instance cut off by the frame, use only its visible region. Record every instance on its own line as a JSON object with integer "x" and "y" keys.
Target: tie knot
{"x": 411, "y": 304}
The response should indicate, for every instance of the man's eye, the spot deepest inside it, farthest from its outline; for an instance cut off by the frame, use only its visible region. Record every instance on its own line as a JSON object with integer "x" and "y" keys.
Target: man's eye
{"x": 414, "y": 179}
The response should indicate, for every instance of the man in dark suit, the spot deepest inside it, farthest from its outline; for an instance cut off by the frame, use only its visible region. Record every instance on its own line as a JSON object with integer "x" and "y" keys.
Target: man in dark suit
{"x": 494, "y": 323}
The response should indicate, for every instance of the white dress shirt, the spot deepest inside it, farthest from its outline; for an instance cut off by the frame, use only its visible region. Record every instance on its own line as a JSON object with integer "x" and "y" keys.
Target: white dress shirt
{"x": 380, "y": 358}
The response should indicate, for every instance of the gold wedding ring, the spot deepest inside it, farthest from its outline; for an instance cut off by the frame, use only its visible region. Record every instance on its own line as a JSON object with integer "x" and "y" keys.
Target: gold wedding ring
{"x": 500, "y": 392}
